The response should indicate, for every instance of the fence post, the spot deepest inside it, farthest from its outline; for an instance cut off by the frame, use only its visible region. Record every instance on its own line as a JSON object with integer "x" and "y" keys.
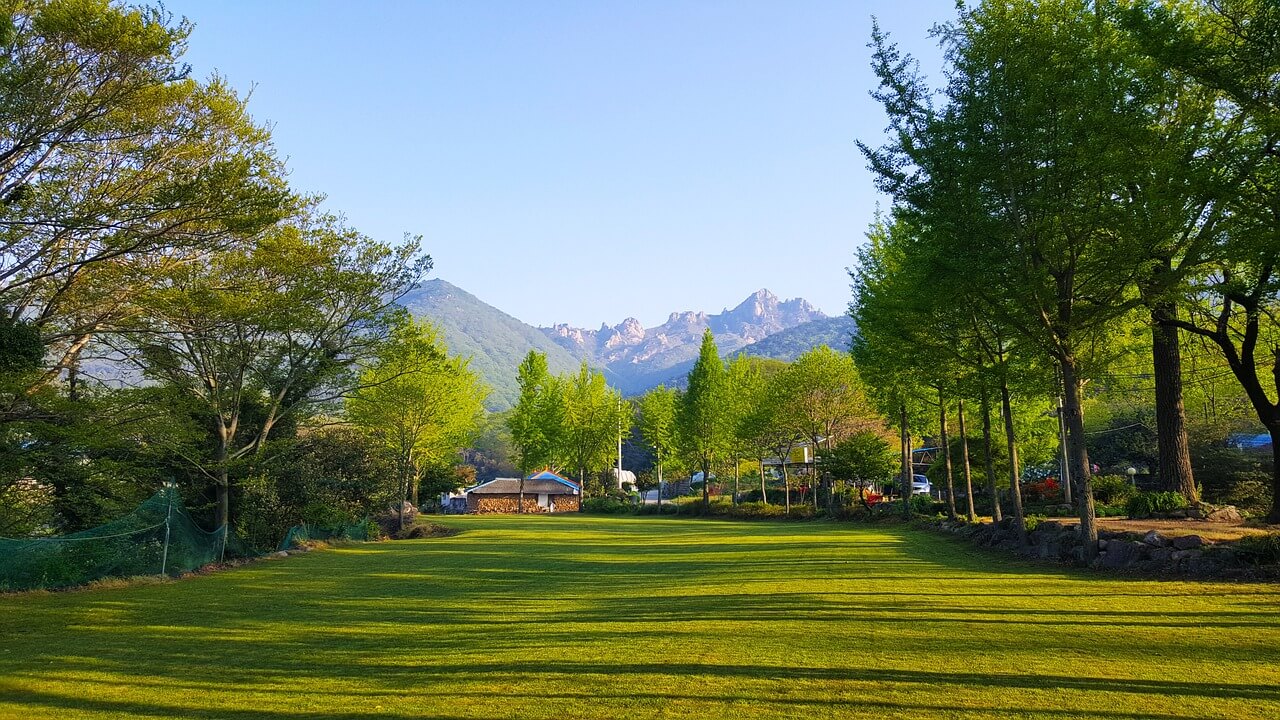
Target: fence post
{"x": 164, "y": 557}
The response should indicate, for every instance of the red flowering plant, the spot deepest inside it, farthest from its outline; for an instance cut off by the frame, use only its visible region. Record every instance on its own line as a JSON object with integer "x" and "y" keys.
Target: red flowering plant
{"x": 1047, "y": 490}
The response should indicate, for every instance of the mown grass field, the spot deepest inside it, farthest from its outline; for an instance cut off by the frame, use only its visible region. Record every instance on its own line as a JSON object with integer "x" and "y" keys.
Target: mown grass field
{"x": 585, "y": 617}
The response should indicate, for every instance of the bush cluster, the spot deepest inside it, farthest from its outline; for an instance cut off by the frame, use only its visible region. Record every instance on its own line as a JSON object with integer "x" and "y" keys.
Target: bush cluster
{"x": 1112, "y": 490}
{"x": 1151, "y": 504}
{"x": 1261, "y": 549}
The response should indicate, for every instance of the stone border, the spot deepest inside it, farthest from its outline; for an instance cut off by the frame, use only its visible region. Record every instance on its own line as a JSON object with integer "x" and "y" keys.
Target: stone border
{"x": 1053, "y": 541}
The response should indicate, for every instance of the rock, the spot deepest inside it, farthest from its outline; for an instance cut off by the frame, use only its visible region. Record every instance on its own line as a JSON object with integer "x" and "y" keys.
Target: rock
{"x": 1187, "y": 542}
{"x": 1161, "y": 556}
{"x": 1154, "y": 539}
{"x": 1049, "y": 526}
{"x": 1121, "y": 553}
{"x": 1178, "y": 514}
{"x": 281, "y": 553}
{"x": 1226, "y": 513}
{"x": 1102, "y": 543}
{"x": 1077, "y": 554}
{"x": 1199, "y": 510}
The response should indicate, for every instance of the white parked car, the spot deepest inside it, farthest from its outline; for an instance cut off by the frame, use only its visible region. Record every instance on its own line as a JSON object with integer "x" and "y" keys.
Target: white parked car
{"x": 920, "y": 485}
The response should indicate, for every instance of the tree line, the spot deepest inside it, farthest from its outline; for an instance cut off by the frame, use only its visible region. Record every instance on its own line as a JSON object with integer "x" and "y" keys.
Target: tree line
{"x": 173, "y": 311}
{"x": 753, "y": 412}
{"x": 1090, "y": 172}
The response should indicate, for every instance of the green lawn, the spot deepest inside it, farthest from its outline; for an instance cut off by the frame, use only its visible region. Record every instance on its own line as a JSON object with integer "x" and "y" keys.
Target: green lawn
{"x": 582, "y": 617}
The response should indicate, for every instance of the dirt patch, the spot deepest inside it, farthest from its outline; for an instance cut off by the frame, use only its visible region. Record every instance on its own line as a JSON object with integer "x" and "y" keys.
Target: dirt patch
{"x": 1173, "y": 528}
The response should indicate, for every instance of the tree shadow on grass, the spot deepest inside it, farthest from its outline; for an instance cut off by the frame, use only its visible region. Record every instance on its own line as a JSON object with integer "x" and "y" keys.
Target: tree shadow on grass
{"x": 355, "y": 616}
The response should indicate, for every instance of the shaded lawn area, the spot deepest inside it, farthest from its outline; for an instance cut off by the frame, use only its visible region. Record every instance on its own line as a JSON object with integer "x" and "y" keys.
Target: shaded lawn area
{"x": 591, "y": 617}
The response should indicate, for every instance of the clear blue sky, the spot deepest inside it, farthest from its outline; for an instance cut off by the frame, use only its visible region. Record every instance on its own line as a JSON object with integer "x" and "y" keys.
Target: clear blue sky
{"x": 581, "y": 161}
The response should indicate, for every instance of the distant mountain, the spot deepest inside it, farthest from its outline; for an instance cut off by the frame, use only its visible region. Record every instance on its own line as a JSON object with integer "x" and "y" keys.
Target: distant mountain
{"x": 636, "y": 358}
{"x": 495, "y": 341}
{"x": 633, "y": 358}
{"x": 834, "y": 332}
{"x": 787, "y": 345}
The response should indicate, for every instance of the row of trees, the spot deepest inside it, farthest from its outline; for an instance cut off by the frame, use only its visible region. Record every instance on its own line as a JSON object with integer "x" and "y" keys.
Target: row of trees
{"x": 565, "y": 421}
{"x": 171, "y": 308}
{"x": 1090, "y": 166}
{"x": 749, "y": 409}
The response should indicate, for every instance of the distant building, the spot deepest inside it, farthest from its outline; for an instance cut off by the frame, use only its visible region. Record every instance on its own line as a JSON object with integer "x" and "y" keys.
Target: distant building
{"x": 626, "y": 481}
{"x": 544, "y": 492}
{"x": 1250, "y": 441}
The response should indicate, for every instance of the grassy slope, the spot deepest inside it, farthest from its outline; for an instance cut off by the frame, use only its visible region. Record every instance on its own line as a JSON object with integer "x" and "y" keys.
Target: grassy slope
{"x": 582, "y": 617}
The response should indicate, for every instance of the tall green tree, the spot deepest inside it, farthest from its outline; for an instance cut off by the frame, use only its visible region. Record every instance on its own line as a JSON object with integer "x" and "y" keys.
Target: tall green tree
{"x": 417, "y": 402}
{"x": 594, "y": 420}
{"x": 116, "y": 167}
{"x": 1024, "y": 170}
{"x": 270, "y": 333}
{"x": 1232, "y": 47}
{"x": 827, "y": 402}
{"x": 657, "y": 418}
{"x": 702, "y": 418}
{"x": 537, "y": 421}
{"x": 744, "y": 379}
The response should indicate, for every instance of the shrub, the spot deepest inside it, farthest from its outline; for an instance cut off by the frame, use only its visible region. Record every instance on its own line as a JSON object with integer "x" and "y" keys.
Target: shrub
{"x": 925, "y": 505}
{"x": 1112, "y": 489}
{"x": 1150, "y": 504}
{"x": 1109, "y": 511}
{"x": 324, "y": 515}
{"x": 606, "y": 506}
{"x": 1031, "y": 522}
{"x": 1261, "y": 549}
{"x": 1047, "y": 490}
{"x": 369, "y": 529}
{"x": 1250, "y": 494}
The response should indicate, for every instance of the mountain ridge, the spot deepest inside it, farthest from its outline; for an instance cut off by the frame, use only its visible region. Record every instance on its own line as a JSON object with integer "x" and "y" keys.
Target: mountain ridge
{"x": 634, "y": 358}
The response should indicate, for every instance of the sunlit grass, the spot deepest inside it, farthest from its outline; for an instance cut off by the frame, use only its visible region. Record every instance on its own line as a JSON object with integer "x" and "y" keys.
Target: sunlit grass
{"x": 583, "y": 617}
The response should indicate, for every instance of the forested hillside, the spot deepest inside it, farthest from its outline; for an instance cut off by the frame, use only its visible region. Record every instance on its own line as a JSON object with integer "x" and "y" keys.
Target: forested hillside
{"x": 493, "y": 340}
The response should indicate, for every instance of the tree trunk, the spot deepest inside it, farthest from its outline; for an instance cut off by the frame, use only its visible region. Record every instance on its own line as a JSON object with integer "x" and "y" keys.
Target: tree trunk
{"x": 816, "y": 482}
{"x": 988, "y": 458}
{"x": 223, "y": 486}
{"x": 1015, "y": 483}
{"x": 786, "y": 484}
{"x": 402, "y": 486}
{"x": 1274, "y": 429}
{"x": 706, "y": 485}
{"x": 659, "y": 488}
{"x": 520, "y": 494}
{"x": 906, "y": 463}
{"x": 764, "y": 494}
{"x": 1064, "y": 467}
{"x": 1171, "y": 417}
{"x": 736, "y": 477}
{"x": 946, "y": 455}
{"x": 1078, "y": 455}
{"x": 964, "y": 450}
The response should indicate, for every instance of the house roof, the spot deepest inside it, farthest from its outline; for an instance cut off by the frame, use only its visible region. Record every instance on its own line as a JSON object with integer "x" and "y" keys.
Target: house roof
{"x": 532, "y": 486}
{"x": 548, "y": 475}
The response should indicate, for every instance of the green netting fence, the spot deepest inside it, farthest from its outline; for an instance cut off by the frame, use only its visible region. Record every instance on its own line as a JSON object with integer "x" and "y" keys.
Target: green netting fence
{"x": 159, "y": 537}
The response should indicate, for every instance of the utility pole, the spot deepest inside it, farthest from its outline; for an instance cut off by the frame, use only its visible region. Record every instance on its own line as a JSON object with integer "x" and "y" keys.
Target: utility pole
{"x": 1062, "y": 448}
{"x": 619, "y": 441}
